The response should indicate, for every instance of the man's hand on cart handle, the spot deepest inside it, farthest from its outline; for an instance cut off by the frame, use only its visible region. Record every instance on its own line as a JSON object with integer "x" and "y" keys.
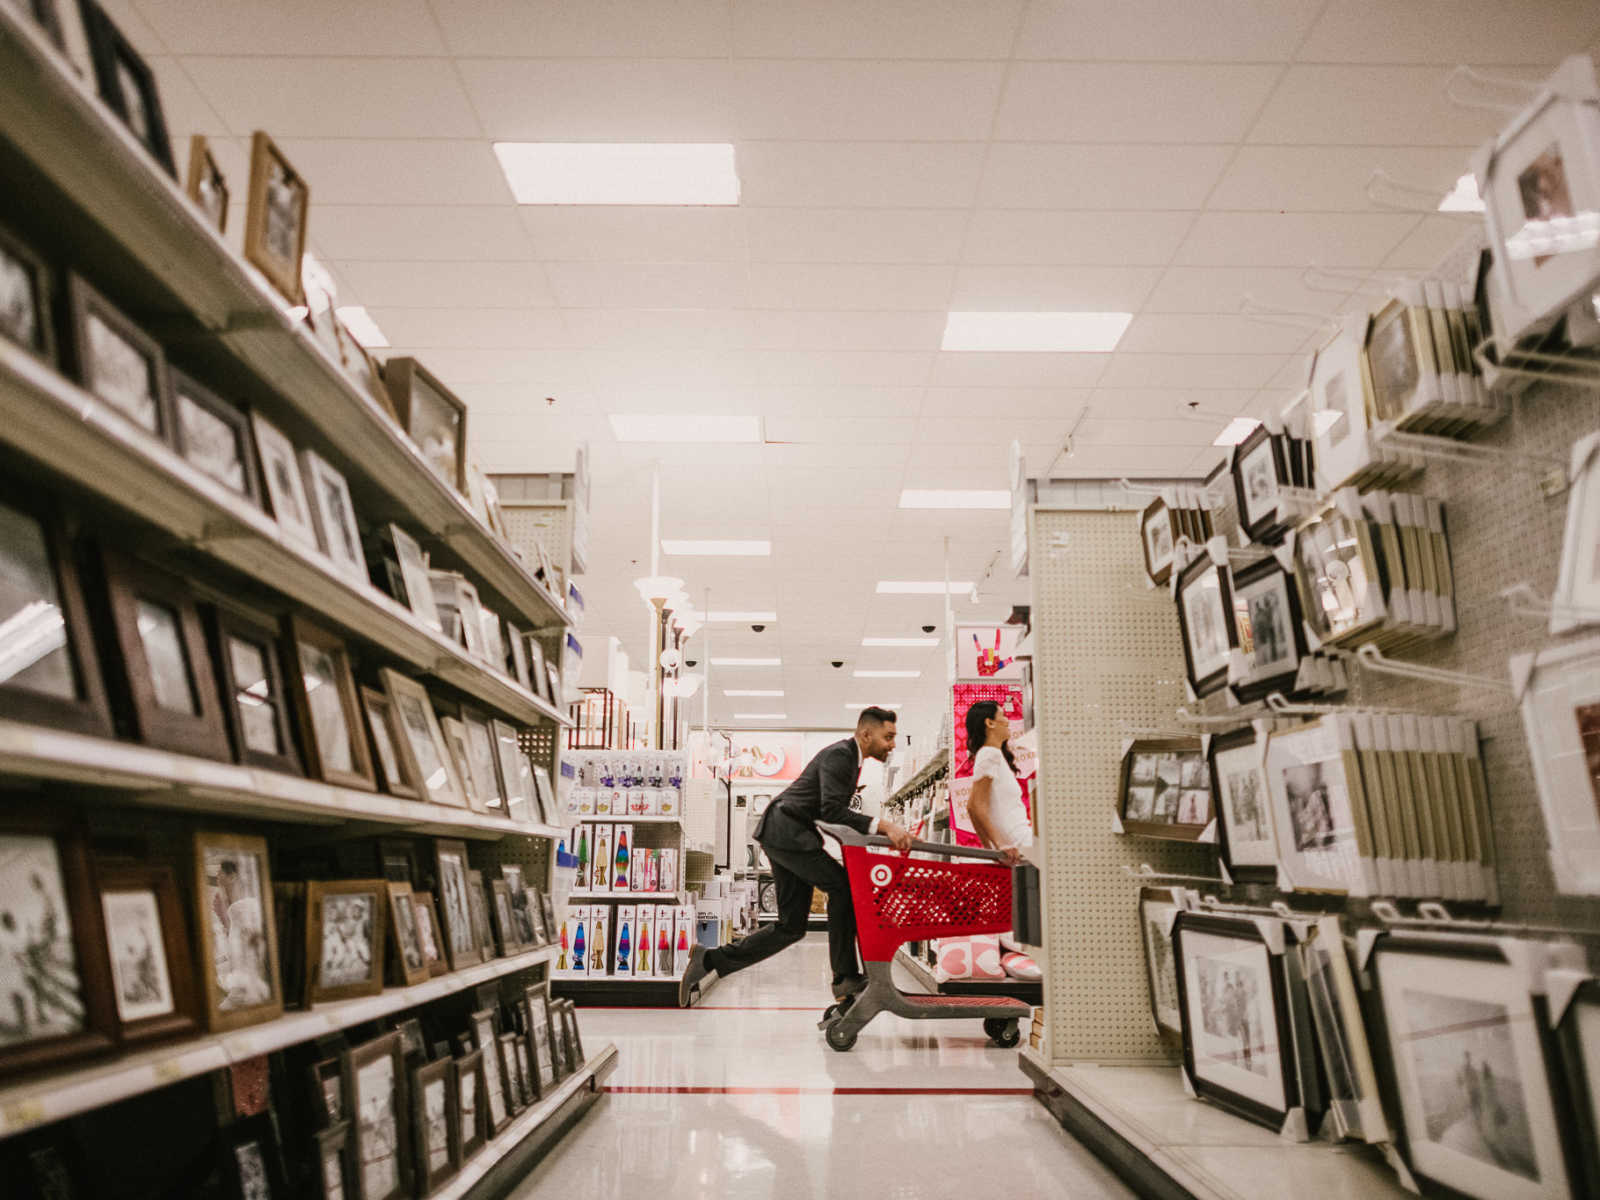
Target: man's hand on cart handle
{"x": 898, "y": 835}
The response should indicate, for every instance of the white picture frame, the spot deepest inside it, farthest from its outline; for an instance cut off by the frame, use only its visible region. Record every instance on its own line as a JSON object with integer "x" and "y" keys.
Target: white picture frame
{"x": 1560, "y": 701}
{"x": 335, "y": 517}
{"x": 1576, "y": 601}
{"x": 1312, "y": 815}
{"x": 285, "y": 485}
{"x": 1341, "y": 409}
{"x": 1243, "y": 801}
{"x": 419, "y": 584}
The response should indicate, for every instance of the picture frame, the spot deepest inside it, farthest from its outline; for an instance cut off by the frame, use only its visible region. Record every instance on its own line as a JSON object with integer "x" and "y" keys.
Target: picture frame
{"x": 435, "y": 1125}
{"x": 1258, "y": 471}
{"x": 1402, "y": 374}
{"x": 497, "y": 1107}
{"x": 1159, "y": 540}
{"x": 1559, "y": 695}
{"x": 414, "y": 572}
{"x": 523, "y": 904}
{"x": 549, "y": 805}
{"x": 1354, "y": 1098}
{"x": 507, "y": 935}
{"x": 540, "y": 1020}
{"x": 127, "y": 85}
{"x": 1269, "y": 631}
{"x": 1205, "y": 621}
{"x": 1158, "y": 909}
{"x": 1165, "y": 789}
{"x": 462, "y": 946}
{"x": 430, "y": 937}
{"x": 326, "y": 1081}
{"x": 383, "y": 726}
{"x": 1577, "y": 1035}
{"x": 61, "y": 687}
{"x": 47, "y": 17}
{"x": 538, "y": 677}
{"x": 516, "y": 773}
{"x": 1246, "y": 837}
{"x": 467, "y": 1079}
{"x": 516, "y": 1085}
{"x": 285, "y": 486}
{"x": 574, "y": 1040}
{"x": 206, "y": 185}
{"x": 334, "y": 515}
{"x": 27, "y": 315}
{"x": 345, "y": 940}
{"x": 1233, "y": 995}
{"x": 553, "y": 673}
{"x": 482, "y": 928}
{"x": 255, "y": 699}
{"x": 213, "y": 436}
{"x": 375, "y": 1080}
{"x": 164, "y": 669}
{"x": 1576, "y": 599}
{"x": 275, "y": 221}
{"x": 1338, "y": 576}
{"x": 238, "y": 935}
{"x": 432, "y": 416}
{"x": 424, "y": 754}
{"x": 1456, "y": 1026}
{"x": 1312, "y": 775}
{"x": 455, "y": 740}
{"x": 116, "y": 361}
{"x": 333, "y": 1156}
{"x": 252, "y": 1161}
{"x": 411, "y": 967}
{"x": 327, "y": 707}
{"x": 147, "y": 945}
{"x": 483, "y": 760}
{"x": 1338, "y": 386}
{"x": 526, "y": 1070}
{"x": 62, "y": 974}
{"x": 517, "y": 655}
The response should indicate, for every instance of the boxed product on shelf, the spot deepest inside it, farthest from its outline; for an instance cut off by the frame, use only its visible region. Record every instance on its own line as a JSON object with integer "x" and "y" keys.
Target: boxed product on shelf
{"x": 639, "y": 880}
{"x": 683, "y": 936}
{"x": 668, "y": 878}
{"x": 621, "y": 858}
{"x": 599, "y": 945}
{"x": 666, "y": 939}
{"x": 668, "y": 802}
{"x": 600, "y": 852}
{"x": 575, "y": 941}
{"x": 581, "y": 802}
{"x": 643, "y": 948}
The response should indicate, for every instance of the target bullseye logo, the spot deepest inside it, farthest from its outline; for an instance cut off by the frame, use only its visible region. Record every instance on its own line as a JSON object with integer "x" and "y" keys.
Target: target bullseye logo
{"x": 880, "y": 874}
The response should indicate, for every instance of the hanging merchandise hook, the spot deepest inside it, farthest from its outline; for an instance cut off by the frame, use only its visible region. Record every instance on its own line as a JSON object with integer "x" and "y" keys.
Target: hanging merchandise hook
{"x": 1374, "y": 659}
{"x": 1344, "y": 281}
{"x": 1238, "y": 716}
{"x": 1552, "y": 470}
{"x": 1561, "y": 369}
{"x": 1282, "y": 706}
{"x": 1464, "y": 73}
{"x": 1414, "y": 197}
{"x": 1296, "y": 318}
{"x": 1145, "y": 872}
{"x": 1524, "y": 600}
{"x": 1433, "y": 915}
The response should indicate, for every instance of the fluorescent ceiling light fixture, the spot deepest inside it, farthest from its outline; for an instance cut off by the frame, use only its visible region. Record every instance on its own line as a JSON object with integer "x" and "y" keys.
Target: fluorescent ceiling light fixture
{"x": 728, "y": 547}
{"x": 747, "y": 662}
{"x": 677, "y": 427}
{"x": 362, "y": 327}
{"x": 1046, "y": 332}
{"x": 620, "y": 172}
{"x": 760, "y": 716}
{"x": 1463, "y": 197}
{"x": 922, "y": 587}
{"x": 1238, "y": 429}
{"x": 887, "y": 674}
{"x": 749, "y": 692}
{"x": 955, "y": 498}
{"x": 887, "y": 641}
{"x": 889, "y": 704}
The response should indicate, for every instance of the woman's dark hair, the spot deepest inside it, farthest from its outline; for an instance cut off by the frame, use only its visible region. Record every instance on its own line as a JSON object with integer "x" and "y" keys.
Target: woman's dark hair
{"x": 978, "y": 734}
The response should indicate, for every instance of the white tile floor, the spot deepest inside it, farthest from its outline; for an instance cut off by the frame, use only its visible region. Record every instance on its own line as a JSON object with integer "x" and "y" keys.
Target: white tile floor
{"x": 740, "y": 1099}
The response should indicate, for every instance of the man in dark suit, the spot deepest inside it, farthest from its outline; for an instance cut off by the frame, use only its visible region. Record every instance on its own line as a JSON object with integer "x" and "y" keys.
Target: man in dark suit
{"x": 788, "y": 833}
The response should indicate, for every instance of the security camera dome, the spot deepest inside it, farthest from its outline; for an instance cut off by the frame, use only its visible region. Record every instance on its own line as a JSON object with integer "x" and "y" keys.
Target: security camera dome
{"x": 838, "y": 662}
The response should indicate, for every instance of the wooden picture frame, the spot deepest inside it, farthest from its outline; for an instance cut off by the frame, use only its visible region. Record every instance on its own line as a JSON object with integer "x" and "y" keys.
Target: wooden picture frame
{"x": 516, "y": 773}
{"x": 414, "y": 573}
{"x": 517, "y": 655}
{"x": 1339, "y": 605}
{"x": 334, "y": 514}
{"x": 411, "y": 967}
{"x": 435, "y": 1119}
{"x": 482, "y": 928}
{"x": 483, "y": 760}
{"x": 507, "y": 935}
{"x": 107, "y": 350}
{"x": 147, "y": 945}
{"x": 250, "y": 675}
{"x": 1259, "y": 470}
{"x": 1355, "y": 1100}
{"x": 516, "y": 1086}
{"x": 433, "y": 417}
{"x": 214, "y": 437}
{"x": 1205, "y": 621}
{"x": 345, "y": 939}
{"x": 275, "y": 220}
{"x": 284, "y": 484}
{"x": 375, "y": 1071}
{"x": 430, "y": 934}
{"x": 569, "y": 1012}
{"x": 1164, "y": 789}
{"x": 325, "y": 1080}
{"x": 233, "y": 870}
{"x": 62, "y": 687}
{"x": 1577, "y": 1036}
{"x": 332, "y": 722}
{"x": 206, "y": 185}
{"x": 251, "y": 1159}
{"x": 425, "y": 756}
{"x": 164, "y": 664}
{"x": 127, "y": 85}
{"x": 333, "y": 1161}
{"x": 28, "y": 320}
{"x": 471, "y": 1088}
{"x": 1158, "y": 909}
{"x": 538, "y": 1014}
{"x": 450, "y": 869}
{"x": 383, "y": 727}
{"x": 497, "y": 1108}
{"x": 48, "y": 875}
{"x": 538, "y": 678}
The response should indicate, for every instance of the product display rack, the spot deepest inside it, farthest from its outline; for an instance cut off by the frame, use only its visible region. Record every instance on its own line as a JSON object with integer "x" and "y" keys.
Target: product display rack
{"x": 85, "y": 183}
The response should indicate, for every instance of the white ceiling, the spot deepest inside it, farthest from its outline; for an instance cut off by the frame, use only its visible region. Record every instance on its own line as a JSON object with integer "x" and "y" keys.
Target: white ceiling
{"x": 898, "y": 158}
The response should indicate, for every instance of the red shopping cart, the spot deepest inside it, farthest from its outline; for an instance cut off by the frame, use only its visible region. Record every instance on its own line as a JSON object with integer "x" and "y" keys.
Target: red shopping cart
{"x": 900, "y": 899}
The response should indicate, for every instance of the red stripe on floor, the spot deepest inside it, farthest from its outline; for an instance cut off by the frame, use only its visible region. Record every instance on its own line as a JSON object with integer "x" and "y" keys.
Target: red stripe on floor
{"x": 810, "y": 1008}
{"x": 700, "y": 1090}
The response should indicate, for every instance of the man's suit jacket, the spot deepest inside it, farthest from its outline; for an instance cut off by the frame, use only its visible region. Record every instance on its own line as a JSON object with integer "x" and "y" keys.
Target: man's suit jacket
{"x": 822, "y": 793}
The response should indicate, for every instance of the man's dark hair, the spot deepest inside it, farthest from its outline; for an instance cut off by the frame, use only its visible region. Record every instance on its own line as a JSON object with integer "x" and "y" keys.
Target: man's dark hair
{"x": 875, "y": 716}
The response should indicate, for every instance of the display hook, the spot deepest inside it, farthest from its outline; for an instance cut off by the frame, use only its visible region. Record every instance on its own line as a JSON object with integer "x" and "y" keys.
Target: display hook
{"x": 1552, "y": 470}
{"x": 1479, "y": 79}
{"x": 1523, "y": 600}
{"x": 1374, "y": 659}
{"x": 1425, "y": 202}
{"x": 1297, "y": 318}
{"x": 1146, "y": 872}
{"x": 1564, "y": 369}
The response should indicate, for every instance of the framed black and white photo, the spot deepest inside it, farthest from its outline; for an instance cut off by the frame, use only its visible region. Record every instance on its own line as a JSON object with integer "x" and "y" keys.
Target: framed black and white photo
{"x": 538, "y": 677}
{"x": 25, "y": 298}
{"x": 344, "y": 938}
{"x": 1341, "y": 410}
{"x": 335, "y": 517}
{"x": 1456, "y": 1026}
{"x": 286, "y": 488}
{"x": 432, "y": 417}
{"x": 1205, "y": 619}
{"x": 569, "y": 1024}
{"x": 117, "y": 361}
{"x": 383, "y": 724}
{"x": 206, "y": 185}
{"x": 467, "y": 1078}
{"x": 275, "y": 220}
{"x": 238, "y": 936}
{"x": 1576, "y": 600}
{"x": 1258, "y": 472}
{"x": 461, "y": 942}
{"x": 1268, "y": 631}
{"x": 127, "y": 85}
{"x": 423, "y": 750}
{"x": 483, "y": 760}
{"x": 410, "y": 967}
{"x": 147, "y": 942}
{"x": 429, "y": 938}
{"x": 1158, "y": 909}
{"x": 414, "y": 572}
{"x": 1560, "y": 690}
{"x": 374, "y": 1075}
{"x": 1354, "y": 1100}
{"x": 516, "y": 774}
{"x": 1336, "y": 573}
{"x": 478, "y": 910}
{"x": 1576, "y": 1013}
{"x": 435, "y": 1125}
{"x": 1165, "y": 789}
{"x": 326, "y": 1079}
{"x": 511, "y": 1065}
{"x": 322, "y": 687}
{"x": 497, "y": 1108}
{"x": 252, "y": 1163}
{"x": 1401, "y": 375}
{"x": 214, "y": 436}
{"x": 1310, "y": 770}
{"x": 1243, "y": 805}
{"x": 254, "y": 699}
{"x": 333, "y": 1159}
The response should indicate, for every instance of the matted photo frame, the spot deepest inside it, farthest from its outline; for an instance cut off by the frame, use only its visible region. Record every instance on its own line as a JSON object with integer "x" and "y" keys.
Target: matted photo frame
{"x": 344, "y": 938}
{"x": 275, "y": 221}
{"x": 433, "y": 417}
{"x": 414, "y": 573}
{"x": 1269, "y": 632}
{"x": 497, "y": 1108}
{"x": 1576, "y": 600}
{"x": 1158, "y": 909}
{"x": 117, "y": 361}
{"x": 1165, "y": 789}
{"x": 333, "y": 1158}
{"x": 430, "y": 937}
{"x": 326, "y": 1082}
{"x": 147, "y": 943}
{"x": 1402, "y": 372}
{"x": 322, "y": 687}
{"x": 462, "y": 945}
{"x": 383, "y": 725}
{"x": 214, "y": 437}
{"x": 511, "y": 1062}
{"x": 1338, "y": 575}
{"x": 206, "y": 185}
{"x": 472, "y": 1094}
{"x": 424, "y": 753}
{"x": 251, "y": 1159}
{"x": 1158, "y": 539}
{"x": 26, "y": 305}
{"x": 1559, "y": 689}
{"x": 483, "y": 760}
{"x": 1577, "y": 1030}
{"x": 410, "y": 966}
{"x": 508, "y": 933}
{"x": 1312, "y": 772}
{"x": 574, "y": 1040}
{"x": 1259, "y": 470}
{"x": 375, "y": 1087}
{"x": 1354, "y": 1099}
{"x": 255, "y": 699}
{"x": 334, "y": 515}
{"x": 127, "y": 85}
{"x": 238, "y": 936}
{"x": 1205, "y": 621}
{"x": 285, "y": 486}
{"x": 1339, "y": 400}
{"x": 1245, "y": 833}
{"x": 516, "y": 773}
{"x": 435, "y": 1125}
{"x": 478, "y": 907}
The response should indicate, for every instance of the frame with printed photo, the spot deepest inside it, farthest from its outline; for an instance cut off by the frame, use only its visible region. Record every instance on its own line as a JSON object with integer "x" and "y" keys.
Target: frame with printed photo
{"x": 1322, "y": 831}
{"x": 206, "y": 185}
{"x": 1258, "y": 472}
{"x": 483, "y": 1028}
{"x": 285, "y": 486}
{"x": 574, "y": 1041}
{"x": 326, "y": 1082}
{"x": 424, "y": 753}
{"x": 252, "y": 1161}
{"x": 414, "y": 572}
{"x": 1269, "y": 633}
{"x": 117, "y": 361}
{"x": 384, "y": 727}
{"x": 1245, "y": 834}
{"x": 432, "y": 417}
{"x": 333, "y": 1161}
{"x": 327, "y": 706}
{"x": 345, "y": 938}
{"x": 430, "y": 935}
{"x": 411, "y": 965}
{"x": 27, "y": 315}
{"x": 275, "y": 219}
{"x": 238, "y": 935}
{"x": 1339, "y": 576}
{"x": 255, "y": 700}
{"x": 1205, "y": 621}
{"x": 472, "y": 1093}
{"x": 1578, "y": 1041}
{"x": 450, "y": 869}
{"x": 1576, "y": 600}
{"x": 1158, "y": 908}
{"x": 147, "y": 942}
{"x": 214, "y": 436}
{"x": 1354, "y": 1100}
{"x": 334, "y": 515}
{"x": 1561, "y": 721}
{"x": 375, "y": 1085}
{"x": 127, "y": 84}
{"x": 435, "y": 1125}
{"x": 1165, "y": 789}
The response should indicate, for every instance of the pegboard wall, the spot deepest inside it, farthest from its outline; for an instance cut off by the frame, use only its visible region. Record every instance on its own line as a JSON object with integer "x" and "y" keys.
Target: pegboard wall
{"x": 547, "y": 523}
{"x": 1108, "y": 666}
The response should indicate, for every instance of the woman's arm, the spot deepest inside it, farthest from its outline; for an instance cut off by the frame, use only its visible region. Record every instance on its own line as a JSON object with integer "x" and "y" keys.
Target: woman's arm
{"x": 978, "y": 810}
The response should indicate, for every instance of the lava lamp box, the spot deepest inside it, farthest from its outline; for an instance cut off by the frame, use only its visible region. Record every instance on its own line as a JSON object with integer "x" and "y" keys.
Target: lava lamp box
{"x": 683, "y": 936}
{"x": 601, "y": 848}
{"x": 668, "y": 880}
{"x": 661, "y": 965}
{"x": 668, "y": 802}
{"x": 621, "y": 857}
{"x": 627, "y": 939}
{"x": 572, "y": 959}
{"x": 639, "y": 881}
{"x": 600, "y": 941}
{"x": 644, "y": 946}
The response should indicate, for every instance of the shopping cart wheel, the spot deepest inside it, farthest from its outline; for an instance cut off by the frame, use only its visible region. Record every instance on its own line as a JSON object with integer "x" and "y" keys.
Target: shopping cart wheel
{"x": 1002, "y": 1031}
{"x": 839, "y": 1037}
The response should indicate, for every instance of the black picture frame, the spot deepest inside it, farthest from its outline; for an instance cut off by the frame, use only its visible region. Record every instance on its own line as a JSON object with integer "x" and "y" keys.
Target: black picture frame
{"x": 41, "y": 342}
{"x": 1581, "y": 1090}
{"x": 87, "y": 307}
{"x": 117, "y": 67}
{"x": 1246, "y": 578}
{"x": 1189, "y": 578}
{"x": 1261, "y": 526}
{"x": 240, "y": 1180}
{"x": 227, "y": 627}
{"x": 1221, "y": 743}
{"x": 188, "y": 391}
{"x": 1150, "y": 898}
{"x": 48, "y": 18}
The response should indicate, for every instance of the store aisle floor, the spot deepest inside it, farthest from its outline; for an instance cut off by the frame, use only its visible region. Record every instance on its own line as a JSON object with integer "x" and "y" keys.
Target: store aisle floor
{"x": 741, "y": 1100}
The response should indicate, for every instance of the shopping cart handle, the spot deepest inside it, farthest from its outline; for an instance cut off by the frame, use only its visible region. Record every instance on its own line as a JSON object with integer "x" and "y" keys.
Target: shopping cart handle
{"x": 846, "y": 836}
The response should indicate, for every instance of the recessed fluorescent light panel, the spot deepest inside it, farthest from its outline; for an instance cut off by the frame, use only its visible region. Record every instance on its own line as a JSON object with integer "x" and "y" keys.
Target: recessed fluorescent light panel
{"x": 747, "y": 662}
{"x": 1039, "y": 332}
{"x": 749, "y": 692}
{"x": 619, "y": 172}
{"x": 362, "y": 327}
{"x": 1463, "y": 197}
{"x": 887, "y": 674}
{"x": 888, "y": 641}
{"x": 676, "y": 427}
{"x": 1238, "y": 429}
{"x": 760, "y": 716}
{"x": 922, "y": 587}
{"x": 955, "y": 498}
{"x": 722, "y": 547}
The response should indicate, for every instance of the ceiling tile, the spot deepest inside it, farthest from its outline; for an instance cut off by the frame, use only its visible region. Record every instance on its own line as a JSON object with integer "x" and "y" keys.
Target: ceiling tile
{"x": 1037, "y": 175}
{"x": 1227, "y": 289}
{"x": 866, "y": 431}
{"x": 353, "y": 233}
{"x": 878, "y": 100}
{"x": 545, "y": 372}
{"x": 343, "y": 171}
{"x": 309, "y": 97}
{"x": 1178, "y": 431}
{"x": 1017, "y": 370}
{"x": 635, "y": 233}
{"x": 1433, "y": 240}
{"x": 1131, "y": 102}
{"x": 849, "y": 286}
{"x": 837, "y": 368}
{"x": 1065, "y": 236}
{"x": 990, "y": 462}
{"x": 649, "y": 285}
{"x": 1130, "y": 461}
{"x": 1293, "y": 239}
{"x": 615, "y": 100}
{"x": 533, "y": 328}
{"x": 1140, "y": 404}
{"x": 992, "y": 430}
{"x": 1361, "y": 105}
{"x": 888, "y": 457}
{"x": 1190, "y": 370}
{"x": 642, "y": 330}
{"x": 838, "y": 401}
{"x": 884, "y": 29}
{"x": 185, "y": 110}
{"x": 1023, "y": 289}
{"x": 397, "y": 284}
{"x": 1333, "y": 178}
{"x": 273, "y": 27}
{"x": 593, "y": 29}
{"x": 1450, "y": 31}
{"x": 1026, "y": 403}
{"x": 1165, "y": 29}
{"x": 861, "y": 174}
{"x": 855, "y": 235}
{"x": 1210, "y": 333}
{"x": 888, "y": 330}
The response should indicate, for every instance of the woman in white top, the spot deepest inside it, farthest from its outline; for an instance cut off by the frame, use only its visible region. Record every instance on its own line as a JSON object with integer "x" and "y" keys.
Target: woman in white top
{"x": 996, "y": 805}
